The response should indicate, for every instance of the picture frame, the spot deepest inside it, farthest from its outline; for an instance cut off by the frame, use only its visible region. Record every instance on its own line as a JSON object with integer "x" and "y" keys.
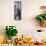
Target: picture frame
{"x": 17, "y": 10}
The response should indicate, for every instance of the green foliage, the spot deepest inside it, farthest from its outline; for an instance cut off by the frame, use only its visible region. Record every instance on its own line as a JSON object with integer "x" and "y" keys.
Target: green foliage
{"x": 11, "y": 31}
{"x": 45, "y": 16}
{"x": 41, "y": 17}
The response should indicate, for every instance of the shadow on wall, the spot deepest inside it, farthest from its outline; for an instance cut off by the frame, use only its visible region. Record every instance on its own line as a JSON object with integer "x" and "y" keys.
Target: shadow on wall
{"x": 2, "y": 29}
{"x": 34, "y": 22}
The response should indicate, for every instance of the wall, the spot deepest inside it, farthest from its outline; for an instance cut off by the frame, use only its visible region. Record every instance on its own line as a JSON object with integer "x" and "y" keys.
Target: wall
{"x": 28, "y": 24}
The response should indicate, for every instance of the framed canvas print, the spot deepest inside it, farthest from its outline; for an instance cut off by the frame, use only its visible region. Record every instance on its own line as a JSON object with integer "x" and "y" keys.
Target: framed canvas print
{"x": 17, "y": 10}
